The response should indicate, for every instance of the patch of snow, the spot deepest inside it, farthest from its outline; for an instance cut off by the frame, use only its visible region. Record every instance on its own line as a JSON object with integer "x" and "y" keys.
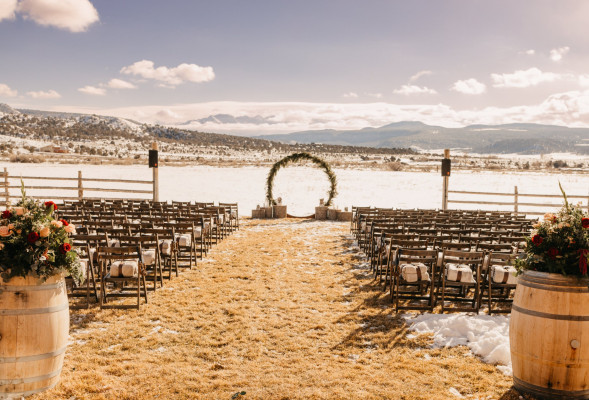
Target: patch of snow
{"x": 486, "y": 336}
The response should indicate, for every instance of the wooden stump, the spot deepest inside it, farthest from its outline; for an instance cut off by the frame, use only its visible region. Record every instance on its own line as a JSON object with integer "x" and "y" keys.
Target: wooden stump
{"x": 344, "y": 216}
{"x": 279, "y": 211}
{"x": 321, "y": 213}
{"x": 260, "y": 213}
{"x": 332, "y": 214}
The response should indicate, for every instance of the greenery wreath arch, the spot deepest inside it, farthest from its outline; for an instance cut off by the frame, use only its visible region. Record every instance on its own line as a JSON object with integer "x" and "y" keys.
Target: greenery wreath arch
{"x": 295, "y": 157}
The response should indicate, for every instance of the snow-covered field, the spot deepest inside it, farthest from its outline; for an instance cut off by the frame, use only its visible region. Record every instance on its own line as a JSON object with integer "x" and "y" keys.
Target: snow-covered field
{"x": 302, "y": 187}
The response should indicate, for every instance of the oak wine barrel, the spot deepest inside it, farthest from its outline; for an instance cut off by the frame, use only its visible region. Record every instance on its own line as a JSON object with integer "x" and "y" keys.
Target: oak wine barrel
{"x": 549, "y": 336}
{"x": 34, "y": 328}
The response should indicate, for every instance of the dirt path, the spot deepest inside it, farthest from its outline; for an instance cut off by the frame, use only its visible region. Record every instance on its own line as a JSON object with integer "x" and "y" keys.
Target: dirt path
{"x": 283, "y": 309}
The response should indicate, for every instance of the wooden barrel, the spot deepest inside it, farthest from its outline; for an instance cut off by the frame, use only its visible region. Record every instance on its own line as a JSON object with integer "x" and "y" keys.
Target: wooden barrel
{"x": 549, "y": 336}
{"x": 34, "y": 328}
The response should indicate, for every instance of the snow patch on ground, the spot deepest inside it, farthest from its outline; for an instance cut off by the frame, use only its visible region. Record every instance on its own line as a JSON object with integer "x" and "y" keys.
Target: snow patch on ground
{"x": 485, "y": 335}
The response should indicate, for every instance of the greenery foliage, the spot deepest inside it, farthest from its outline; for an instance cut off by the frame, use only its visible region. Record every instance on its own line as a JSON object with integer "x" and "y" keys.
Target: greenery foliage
{"x": 34, "y": 243}
{"x": 296, "y": 157}
{"x": 559, "y": 244}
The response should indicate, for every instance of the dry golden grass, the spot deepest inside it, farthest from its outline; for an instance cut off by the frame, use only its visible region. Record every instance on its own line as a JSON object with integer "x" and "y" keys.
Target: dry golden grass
{"x": 282, "y": 309}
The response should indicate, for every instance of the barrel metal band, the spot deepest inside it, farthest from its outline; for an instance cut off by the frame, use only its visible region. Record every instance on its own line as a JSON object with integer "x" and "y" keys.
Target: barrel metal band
{"x": 32, "y": 288}
{"x": 550, "y": 288}
{"x": 35, "y": 357}
{"x": 31, "y": 311}
{"x": 561, "y": 317}
{"x": 11, "y": 395}
{"x": 544, "y": 392}
{"x": 31, "y": 379}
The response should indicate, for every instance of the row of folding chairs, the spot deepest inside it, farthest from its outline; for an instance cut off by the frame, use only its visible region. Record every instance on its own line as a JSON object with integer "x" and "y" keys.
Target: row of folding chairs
{"x": 464, "y": 255}
{"x": 127, "y": 254}
{"x": 454, "y": 280}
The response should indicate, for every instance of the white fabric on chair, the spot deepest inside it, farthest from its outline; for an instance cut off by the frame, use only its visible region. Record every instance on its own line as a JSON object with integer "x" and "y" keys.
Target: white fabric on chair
{"x": 166, "y": 246}
{"x": 504, "y": 274}
{"x": 184, "y": 240}
{"x": 459, "y": 273}
{"x": 148, "y": 256}
{"x": 414, "y": 272}
{"x": 125, "y": 269}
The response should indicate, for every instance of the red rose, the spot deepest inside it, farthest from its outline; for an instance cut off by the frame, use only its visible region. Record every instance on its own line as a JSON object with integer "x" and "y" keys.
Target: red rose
{"x": 553, "y": 252}
{"x": 64, "y": 222}
{"x": 33, "y": 237}
{"x": 537, "y": 240}
{"x": 50, "y": 203}
{"x": 64, "y": 248}
{"x": 6, "y": 214}
{"x": 585, "y": 223}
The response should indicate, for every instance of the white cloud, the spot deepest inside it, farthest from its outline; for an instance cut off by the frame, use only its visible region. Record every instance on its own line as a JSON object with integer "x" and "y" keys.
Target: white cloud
{"x": 469, "y": 86}
{"x": 523, "y": 79}
{"x": 419, "y": 75}
{"x": 6, "y": 91}
{"x": 583, "y": 80}
{"x": 171, "y": 76}
{"x": 408, "y": 90}
{"x": 529, "y": 52}
{"x": 50, "y": 94}
{"x": 7, "y": 9}
{"x": 557, "y": 54}
{"x": 72, "y": 15}
{"x": 120, "y": 84}
{"x": 93, "y": 90}
{"x": 351, "y": 95}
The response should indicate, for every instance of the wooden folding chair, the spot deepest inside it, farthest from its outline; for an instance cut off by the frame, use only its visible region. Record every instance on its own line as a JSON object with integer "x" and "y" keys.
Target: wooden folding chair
{"x": 86, "y": 246}
{"x": 413, "y": 279}
{"x": 123, "y": 276}
{"x": 498, "y": 282}
{"x": 151, "y": 256}
{"x": 460, "y": 274}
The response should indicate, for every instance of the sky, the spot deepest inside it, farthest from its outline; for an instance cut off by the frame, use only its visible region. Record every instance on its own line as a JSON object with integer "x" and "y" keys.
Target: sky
{"x": 285, "y": 66}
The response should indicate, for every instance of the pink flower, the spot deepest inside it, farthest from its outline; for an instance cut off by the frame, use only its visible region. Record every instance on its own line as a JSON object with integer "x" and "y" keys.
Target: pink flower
{"x": 70, "y": 229}
{"x": 44, "y": 232}
{"x": 57, "y": 224}
{"x": 19, "y": 211}
{"x": 5, "y": 231}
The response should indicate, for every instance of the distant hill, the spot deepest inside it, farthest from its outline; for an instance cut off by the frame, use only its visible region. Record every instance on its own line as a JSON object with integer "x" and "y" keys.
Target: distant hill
{"x": 498, "y": 139}
{"x": 47, "y": 126}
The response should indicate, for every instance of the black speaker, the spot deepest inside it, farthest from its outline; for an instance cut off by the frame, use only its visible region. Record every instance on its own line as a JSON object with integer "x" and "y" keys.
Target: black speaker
{"x": 152, "y": 158}
{"x": 446, "y": 163}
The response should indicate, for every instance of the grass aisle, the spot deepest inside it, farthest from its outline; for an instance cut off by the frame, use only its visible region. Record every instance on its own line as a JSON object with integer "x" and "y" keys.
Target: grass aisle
{"x": 283, "y": 309}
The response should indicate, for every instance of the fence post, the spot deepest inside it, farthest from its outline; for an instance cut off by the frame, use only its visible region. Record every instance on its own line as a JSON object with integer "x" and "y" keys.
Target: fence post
{"x": 6, "y": 187}
{"x": 80, "y": 187}
{"x": 446, "y": 182}
{"x": 156, "y": 181}
{"x": 515, "y": 199}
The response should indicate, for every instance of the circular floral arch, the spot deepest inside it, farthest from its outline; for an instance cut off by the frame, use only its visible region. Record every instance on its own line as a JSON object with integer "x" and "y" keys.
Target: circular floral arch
{"x": 295, "y": 158}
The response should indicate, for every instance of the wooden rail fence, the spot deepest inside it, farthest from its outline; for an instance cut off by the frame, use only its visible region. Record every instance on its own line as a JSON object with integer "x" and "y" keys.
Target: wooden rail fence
{"x": 74, "y": 187}
{"x": 517, "y": 204}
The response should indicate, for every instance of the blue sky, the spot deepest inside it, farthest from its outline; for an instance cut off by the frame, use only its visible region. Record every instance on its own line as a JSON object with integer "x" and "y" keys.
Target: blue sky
{"x": 306, "y": 64}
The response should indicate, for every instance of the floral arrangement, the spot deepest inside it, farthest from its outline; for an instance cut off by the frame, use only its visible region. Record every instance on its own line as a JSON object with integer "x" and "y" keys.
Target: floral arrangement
{"x": 34, "y": 243}
{"x": 560, "y": 243}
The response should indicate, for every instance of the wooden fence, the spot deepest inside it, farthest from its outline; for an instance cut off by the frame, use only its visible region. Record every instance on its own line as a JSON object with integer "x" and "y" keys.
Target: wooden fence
{"x": 74, "y": 188}
{"x": 519, "y": 206}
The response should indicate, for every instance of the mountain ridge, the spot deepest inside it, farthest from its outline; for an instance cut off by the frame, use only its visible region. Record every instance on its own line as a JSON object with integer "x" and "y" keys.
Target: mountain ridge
{"x": 522, "y": 138}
